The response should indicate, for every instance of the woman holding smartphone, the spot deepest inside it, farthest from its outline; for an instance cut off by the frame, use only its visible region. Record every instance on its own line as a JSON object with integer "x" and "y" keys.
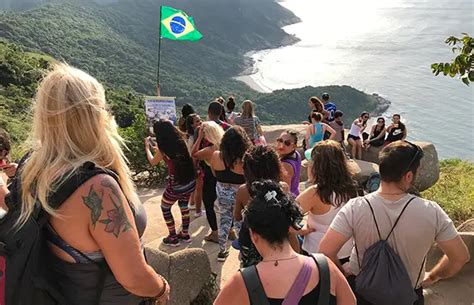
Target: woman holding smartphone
{"x": 171, "y": 148}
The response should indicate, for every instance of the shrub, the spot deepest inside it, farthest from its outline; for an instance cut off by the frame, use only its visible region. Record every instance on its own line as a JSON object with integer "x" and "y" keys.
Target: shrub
{"x": 455, "y": 189}
{"x": 143, "y": 172}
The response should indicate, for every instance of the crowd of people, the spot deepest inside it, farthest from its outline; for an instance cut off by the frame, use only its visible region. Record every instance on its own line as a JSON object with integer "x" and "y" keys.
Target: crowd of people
{"x": 331, "y": 256}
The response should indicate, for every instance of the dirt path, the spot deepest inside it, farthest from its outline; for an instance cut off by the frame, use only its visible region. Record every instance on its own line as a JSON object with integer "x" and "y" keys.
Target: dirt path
{"x": 156, "y": 229}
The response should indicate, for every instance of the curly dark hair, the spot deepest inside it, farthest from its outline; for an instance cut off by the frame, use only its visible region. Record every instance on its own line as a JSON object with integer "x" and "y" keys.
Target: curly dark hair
{"x": 271, "y": 212}
{"x": 261, "y": 162}
{"x": 172, "y": 144}
{"x": 234, "y": 144}
{"x": 331, "y": 173}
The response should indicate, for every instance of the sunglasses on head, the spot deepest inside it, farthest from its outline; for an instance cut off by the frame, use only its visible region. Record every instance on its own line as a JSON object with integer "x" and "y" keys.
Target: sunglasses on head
{"x": 419, "y": 153}
{"x": 286, "y": 142}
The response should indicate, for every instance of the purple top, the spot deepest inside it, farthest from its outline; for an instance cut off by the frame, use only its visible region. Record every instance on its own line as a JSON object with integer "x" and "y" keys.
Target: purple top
{"x": 295, "y": 162}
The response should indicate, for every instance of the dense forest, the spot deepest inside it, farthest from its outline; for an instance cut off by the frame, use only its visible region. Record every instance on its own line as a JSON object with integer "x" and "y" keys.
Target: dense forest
{"x": 116, "y": 41}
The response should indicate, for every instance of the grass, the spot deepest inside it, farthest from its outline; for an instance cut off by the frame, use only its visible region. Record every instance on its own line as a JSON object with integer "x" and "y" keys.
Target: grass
{"x": 454, "y": 191}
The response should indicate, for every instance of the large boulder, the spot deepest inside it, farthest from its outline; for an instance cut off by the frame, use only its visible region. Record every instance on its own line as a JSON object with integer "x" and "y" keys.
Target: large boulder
{"x": 458, "y": 290}
{"x": 429, "y": 169}
{"x": 187, "y": 271}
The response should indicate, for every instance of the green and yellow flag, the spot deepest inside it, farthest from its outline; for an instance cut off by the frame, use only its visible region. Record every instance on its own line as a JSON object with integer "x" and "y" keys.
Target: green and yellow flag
{"x": 176, "y": 25}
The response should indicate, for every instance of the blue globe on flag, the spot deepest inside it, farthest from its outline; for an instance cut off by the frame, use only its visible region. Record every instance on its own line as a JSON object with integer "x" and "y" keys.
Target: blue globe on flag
{"x": 178, "y": 25}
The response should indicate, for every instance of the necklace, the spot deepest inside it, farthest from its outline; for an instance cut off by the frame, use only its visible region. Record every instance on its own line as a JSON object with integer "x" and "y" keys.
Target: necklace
{"x": 278, "y": 259}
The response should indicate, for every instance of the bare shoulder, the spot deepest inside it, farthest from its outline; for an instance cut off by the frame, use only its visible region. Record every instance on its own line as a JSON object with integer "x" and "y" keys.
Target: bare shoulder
{"x": 242, "y": 190}
{"x": 307, "y": 194}
{"x": 102, "y": 195}
{"x": 233, "y": 292}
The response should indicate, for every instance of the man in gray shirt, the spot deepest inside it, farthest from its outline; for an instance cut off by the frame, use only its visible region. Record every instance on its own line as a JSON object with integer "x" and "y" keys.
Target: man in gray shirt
{"x": 422, "y": 223}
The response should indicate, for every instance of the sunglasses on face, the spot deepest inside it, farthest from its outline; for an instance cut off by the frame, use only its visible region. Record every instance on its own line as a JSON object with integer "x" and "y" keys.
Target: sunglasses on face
{"x": 286, "y": 142}
{"x": 366, "y": 118}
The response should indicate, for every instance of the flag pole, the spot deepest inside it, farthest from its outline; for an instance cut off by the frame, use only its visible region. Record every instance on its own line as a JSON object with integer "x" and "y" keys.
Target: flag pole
{"x": 158, "y": 91}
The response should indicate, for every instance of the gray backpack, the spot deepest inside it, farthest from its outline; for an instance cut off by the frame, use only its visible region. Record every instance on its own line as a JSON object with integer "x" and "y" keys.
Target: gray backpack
{"x": 383, "y": 279}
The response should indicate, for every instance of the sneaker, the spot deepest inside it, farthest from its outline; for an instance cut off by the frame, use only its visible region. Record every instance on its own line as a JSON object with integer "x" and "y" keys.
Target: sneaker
{"x": 171, "y": 241}
{"x": 198, "y": 214}
{"x": 222, "y": 256}
{"x": 212, "y": 237}
{"x": 184, "y": 237}
{"x": 232, "y": 234}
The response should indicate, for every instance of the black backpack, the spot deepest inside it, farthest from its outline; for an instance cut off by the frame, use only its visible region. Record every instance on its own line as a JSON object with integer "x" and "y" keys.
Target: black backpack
{"x": 25, "y": 278}
{"x": 383, "y": 278}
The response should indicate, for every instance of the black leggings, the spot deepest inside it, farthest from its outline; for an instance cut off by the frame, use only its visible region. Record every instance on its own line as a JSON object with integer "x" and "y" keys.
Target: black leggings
{"x": 209, "y": 196}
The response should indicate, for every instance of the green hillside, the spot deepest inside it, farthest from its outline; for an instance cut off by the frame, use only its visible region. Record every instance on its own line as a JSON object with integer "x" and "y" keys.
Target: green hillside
{"x": 117, "y": 43}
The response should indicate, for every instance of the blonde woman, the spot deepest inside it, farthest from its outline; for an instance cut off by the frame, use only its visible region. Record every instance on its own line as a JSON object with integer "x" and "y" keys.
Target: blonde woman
{"x": 208, "y": 141}
{"x": 100, "y": 224}
{"x": 249, "y": 121}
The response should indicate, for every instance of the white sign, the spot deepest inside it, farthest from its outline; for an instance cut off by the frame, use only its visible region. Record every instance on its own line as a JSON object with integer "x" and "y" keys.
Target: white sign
{"x": 159, "y": 108}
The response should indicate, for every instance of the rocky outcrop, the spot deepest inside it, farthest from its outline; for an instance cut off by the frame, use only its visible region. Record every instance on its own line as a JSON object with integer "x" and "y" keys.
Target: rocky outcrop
{"x": 429, "y": 170}
{"x": 187, "y": 271}
{"x": 458, "y": 290}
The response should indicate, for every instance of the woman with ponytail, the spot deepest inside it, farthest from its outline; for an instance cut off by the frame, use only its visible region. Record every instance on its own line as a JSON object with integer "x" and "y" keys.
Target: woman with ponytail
{"x": 171, "y": 148}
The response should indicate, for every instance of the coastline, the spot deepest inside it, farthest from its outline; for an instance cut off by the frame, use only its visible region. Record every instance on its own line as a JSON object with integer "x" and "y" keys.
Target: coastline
{"x": 382, "y": 105}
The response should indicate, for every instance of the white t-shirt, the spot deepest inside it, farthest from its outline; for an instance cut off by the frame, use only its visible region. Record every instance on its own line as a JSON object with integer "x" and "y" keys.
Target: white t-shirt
{"x": 422, "y": 223}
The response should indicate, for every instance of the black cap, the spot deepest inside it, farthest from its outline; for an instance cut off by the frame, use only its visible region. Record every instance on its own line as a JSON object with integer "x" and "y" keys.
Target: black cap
{"x": 325, "y": 96}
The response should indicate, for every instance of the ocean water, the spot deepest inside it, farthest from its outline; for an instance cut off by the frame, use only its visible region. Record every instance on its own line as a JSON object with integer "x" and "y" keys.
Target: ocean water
{"x": 385, "y": 47}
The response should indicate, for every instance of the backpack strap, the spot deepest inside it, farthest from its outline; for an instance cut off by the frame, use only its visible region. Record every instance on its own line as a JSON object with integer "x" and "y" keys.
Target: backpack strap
{"x": 324, "y": 278}
{"x": 296, "y": 291}
{"x": 419, "y": 272}
{"x": 375, "y": 220}
{"x": 254, "y": 286}
{"x": 396, "y": 221}
{"x": 67, "y": 187}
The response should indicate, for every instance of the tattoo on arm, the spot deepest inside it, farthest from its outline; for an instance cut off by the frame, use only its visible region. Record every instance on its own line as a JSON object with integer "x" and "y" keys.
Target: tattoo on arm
{"x": 116, "y": 221}
{"x": 94, "y": 203}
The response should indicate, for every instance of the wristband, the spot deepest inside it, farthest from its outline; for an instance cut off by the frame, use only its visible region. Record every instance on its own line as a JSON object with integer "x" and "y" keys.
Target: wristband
{"x": 160, "y": 296}
{"x": 162, "y": 293}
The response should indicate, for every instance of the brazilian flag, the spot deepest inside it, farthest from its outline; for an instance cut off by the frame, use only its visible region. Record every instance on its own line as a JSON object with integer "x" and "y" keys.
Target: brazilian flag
{"x": 176, "y": 25}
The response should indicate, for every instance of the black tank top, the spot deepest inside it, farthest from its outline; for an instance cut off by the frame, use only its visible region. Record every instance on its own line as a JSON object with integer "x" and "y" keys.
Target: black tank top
{"x": 228, "y": 176}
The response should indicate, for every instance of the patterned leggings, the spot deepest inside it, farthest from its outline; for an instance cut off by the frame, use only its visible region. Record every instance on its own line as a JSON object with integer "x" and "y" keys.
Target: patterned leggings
{"x": 226, "y": 198}
{"x": 180, "y": 193}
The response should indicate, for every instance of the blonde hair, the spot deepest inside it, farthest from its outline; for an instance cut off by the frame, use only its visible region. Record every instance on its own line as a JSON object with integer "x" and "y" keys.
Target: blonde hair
{"x": 213, "y": 132}
{"x": 71, "y": 125}
{"x": 248, "y": 109}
